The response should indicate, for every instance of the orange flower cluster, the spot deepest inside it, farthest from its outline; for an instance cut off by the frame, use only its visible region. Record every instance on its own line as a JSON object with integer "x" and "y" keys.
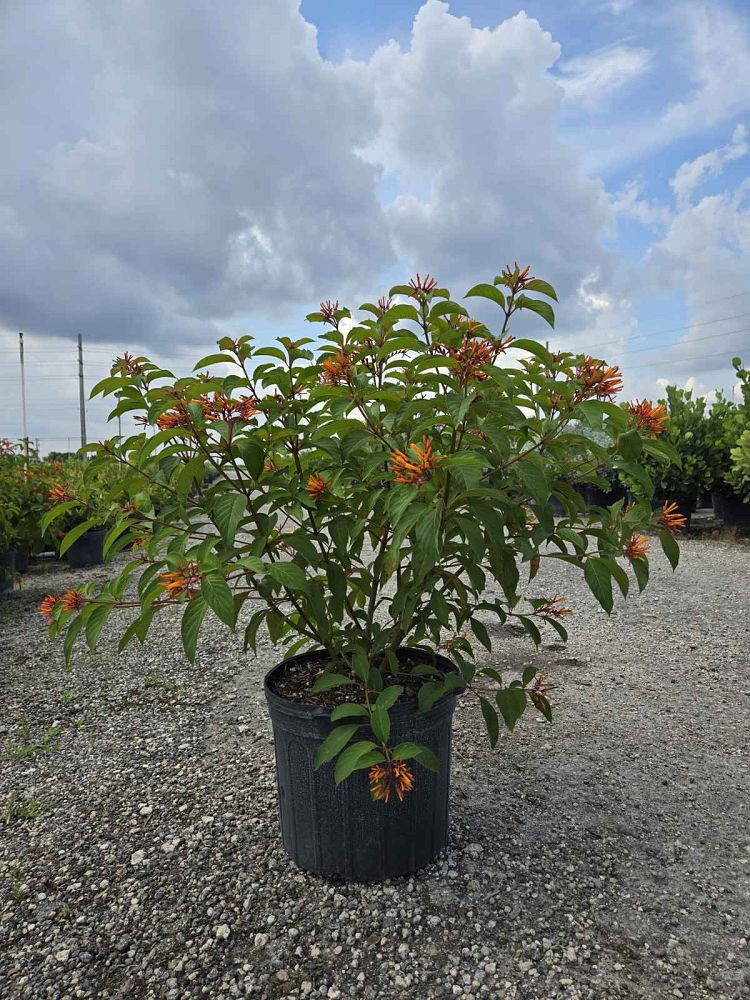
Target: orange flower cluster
{"x": 597, "y": 380}
{"x": 516, "y": 278}
{"x": 336, "y": 369}
{"x": 422, "y": 286}
{"x": 61, "y": 492}
{"x": 71, "y": 600}
{"x": 186, "y": 579}
{"x": 648, "y": 418}
{"x": 218, "y": 408}
{"x": 540, "y": 691}
{"x": 391, "y": 778}
{"x": 473, "y": 354}
{"x": 316, "y": 485}
{"x": 414, "y": 473}
{"x": 554, "y": 607}
{"x": 128, "y": 365}
{"x": 671, "y": 519}
{"x": 637, "y": 547}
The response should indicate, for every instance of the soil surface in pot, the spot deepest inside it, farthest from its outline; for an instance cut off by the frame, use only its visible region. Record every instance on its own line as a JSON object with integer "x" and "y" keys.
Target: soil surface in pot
{"x": 296, "y": 682}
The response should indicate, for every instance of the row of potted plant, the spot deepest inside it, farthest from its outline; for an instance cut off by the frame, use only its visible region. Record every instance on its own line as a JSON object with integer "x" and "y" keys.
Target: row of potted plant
{"x": 29, "y": 488}
{"x": 383, "y": 504}
{"x": 711, "y": 441}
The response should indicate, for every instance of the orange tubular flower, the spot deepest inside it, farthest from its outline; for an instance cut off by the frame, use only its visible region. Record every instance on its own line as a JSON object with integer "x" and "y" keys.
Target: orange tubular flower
{"x": 411, "y": 472}
{"x": 48, "y": 605}
{"x": 172, "y": 419}
{"x": 637, "y": 547}
{"x": 473, "y": 354}
{"x": 336, "y": 369}
{"x": 127, "y": 365}
{"x": 72, "y": 600}
{"x": 597, "y": 380}
{"x": 671, "y": 519}
{"x": 393, "y": 777}
{"x": 316, "y": 485}
{"x": 61, "y": 492}
{"x": 186, "y": 579}
{"x": 554, "y": 609}
{"x": 422, "y": 286}
{"x": 648, "y": 418}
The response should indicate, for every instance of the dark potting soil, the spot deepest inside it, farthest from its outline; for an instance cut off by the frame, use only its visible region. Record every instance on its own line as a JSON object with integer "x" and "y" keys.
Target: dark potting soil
{"x": 295, "y": 683}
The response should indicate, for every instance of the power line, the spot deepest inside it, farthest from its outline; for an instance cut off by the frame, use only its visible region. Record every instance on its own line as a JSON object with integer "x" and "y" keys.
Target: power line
{"x": 694, "y": 340}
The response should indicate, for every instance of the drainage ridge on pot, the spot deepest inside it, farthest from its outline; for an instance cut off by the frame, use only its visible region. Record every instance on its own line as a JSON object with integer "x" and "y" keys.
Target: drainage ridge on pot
{"x": 341, "y": 831}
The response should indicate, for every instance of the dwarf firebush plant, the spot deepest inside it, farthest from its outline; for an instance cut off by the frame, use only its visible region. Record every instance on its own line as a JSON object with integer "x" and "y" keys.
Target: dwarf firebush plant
{"x": 372, "y": 486}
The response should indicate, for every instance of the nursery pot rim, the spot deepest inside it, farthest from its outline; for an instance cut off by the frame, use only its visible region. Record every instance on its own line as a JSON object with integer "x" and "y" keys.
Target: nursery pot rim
{"x": 307, "y": 709}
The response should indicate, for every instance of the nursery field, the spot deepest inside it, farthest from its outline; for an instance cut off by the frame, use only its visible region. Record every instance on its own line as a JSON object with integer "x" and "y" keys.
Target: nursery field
{"x": 604, "y": 856}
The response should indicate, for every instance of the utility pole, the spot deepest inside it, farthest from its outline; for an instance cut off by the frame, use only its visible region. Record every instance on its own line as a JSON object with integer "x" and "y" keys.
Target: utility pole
{"x": 23, "y": 400}
{"x": 81, "y": 399}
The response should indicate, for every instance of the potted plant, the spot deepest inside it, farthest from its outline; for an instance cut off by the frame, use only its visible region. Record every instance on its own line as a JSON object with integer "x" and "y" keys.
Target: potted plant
{"x": 370, "y": 487}
{"x": 727, "y": 423}
{"x": 687, "y": 431}
{"x": 82, "y": 498}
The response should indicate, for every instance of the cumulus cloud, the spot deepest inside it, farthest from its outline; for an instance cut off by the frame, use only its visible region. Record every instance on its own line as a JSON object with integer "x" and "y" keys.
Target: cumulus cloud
{"x": 177, "y": 163}
{"x": 705, "y": 251}
{"x": 470, "y": 127}
{"x": 180, "y": 167}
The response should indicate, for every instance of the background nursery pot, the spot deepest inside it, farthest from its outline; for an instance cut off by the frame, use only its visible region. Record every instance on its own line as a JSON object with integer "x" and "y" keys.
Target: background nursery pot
{"x": 87, "y": 551}
{"x": 341, "y": 830}
{"x": 7, "y": 568}
{"x": 733, "y": 511}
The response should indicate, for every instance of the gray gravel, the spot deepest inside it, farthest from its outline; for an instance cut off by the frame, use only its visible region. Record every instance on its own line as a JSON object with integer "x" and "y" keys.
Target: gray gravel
{"x": 605, "y": 856}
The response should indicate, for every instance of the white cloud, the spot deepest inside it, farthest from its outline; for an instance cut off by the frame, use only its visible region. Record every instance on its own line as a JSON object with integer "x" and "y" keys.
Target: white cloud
{"x": 716, "y": 54}
{"x": 470, "y": 124}
{"x": 590, "y": 80}
{"x": 630, "y": 203}
{"x": 179, "y": 166}
{"x": 692, "y": 173}
{"x": 706, "y": 252}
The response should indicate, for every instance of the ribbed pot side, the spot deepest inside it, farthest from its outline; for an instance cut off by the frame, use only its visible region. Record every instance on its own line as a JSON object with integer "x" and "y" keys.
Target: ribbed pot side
{"x": 341, "y": 831}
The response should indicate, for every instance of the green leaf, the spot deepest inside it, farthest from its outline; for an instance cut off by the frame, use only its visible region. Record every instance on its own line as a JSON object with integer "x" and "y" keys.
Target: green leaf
{"x": 487, "y": 292}
{"x": 543, "y": 287}
{"x": 670, "y": 548}
{"x": 389, "y": 696}
{"x": 428, "y": 694}
{"x": 215, "y": 359}
{"x": 428, "y": 759}
{"x": 347, "y": 711}
{"x": 381, "y": 723}
{"x": 75, "y": 533}
{"x": 348, "y": 760}
{"x": 543, "y": 309}
{"x": 112, "y": 535}
{"x": 599, "y": 579}
{"x": 630, "y": 445}
{"x": 288, "y": 574}
{"x": 512, "y": 702}
{"x": 70, "y": 637}
{"x": 490, "y": 720}
{"x": 95, "y": 623}
{"x": 327, "y": 681}
{"x": 334, "y": 743}
{"x": 252, "y": 456}
{"x": 640, "y": 568}
{"x": 480, "y": 631}
{"x": 218, "y": 597}
{"x": 191, "y": 623}
{"x": 227, "y": 514}
{"x": 57, "y": 511}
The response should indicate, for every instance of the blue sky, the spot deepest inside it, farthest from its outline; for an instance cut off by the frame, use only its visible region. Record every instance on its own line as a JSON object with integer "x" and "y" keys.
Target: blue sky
{"x": 182, "y": 169}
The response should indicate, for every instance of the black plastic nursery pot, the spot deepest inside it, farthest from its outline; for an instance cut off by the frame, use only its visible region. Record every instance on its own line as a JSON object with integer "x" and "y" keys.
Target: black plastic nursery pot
{"x": 87, "y": 550}
{"x": 7, "y": 568}
{"x": 341, "y": 831}
{"x": 733, "y": 510}
{"x": 596, "y": 496}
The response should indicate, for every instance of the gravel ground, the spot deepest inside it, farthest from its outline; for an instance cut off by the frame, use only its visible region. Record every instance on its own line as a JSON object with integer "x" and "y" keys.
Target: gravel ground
{"x": 607, "y": 855}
